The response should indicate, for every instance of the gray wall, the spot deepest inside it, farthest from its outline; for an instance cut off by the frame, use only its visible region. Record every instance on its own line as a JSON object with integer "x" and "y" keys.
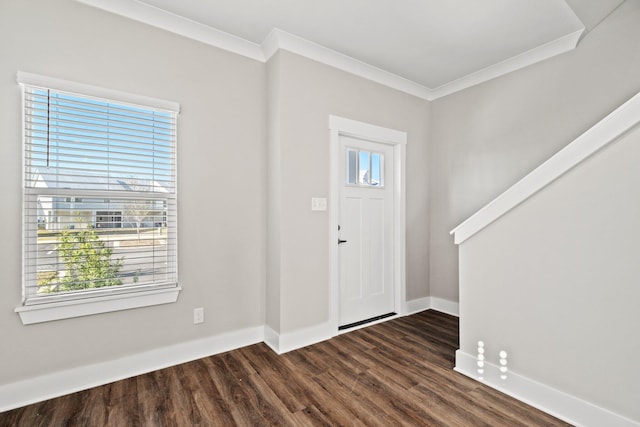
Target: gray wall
{"x": 308, "y": 92}
{"x": 221, "y": 179}
{"x": 555, "y": 282}
{"x": 486, "y": 138}
{"x": 462, "y": 151}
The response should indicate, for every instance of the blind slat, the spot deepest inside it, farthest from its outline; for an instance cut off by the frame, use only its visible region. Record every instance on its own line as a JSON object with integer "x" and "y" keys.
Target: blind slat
{"x": 89, "y": 125}
{"x": 80, "y": 155}
{"x": 44, "y": 97}
{"x": 52, "y": 132}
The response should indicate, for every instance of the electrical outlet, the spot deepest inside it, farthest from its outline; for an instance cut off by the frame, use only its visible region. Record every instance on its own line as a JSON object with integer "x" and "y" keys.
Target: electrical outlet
{"x": 198, "y": 315}
{"x": 318, "y": 204}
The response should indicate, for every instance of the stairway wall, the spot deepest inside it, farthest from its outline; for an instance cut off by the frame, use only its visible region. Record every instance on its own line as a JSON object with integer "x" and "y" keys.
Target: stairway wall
{"x": 487, "y": 137}
{"x": 555, "y": 282}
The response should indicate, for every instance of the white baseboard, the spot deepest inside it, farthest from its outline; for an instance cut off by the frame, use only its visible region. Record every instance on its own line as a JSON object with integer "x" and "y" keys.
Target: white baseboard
{"x": 431, "y": 303}
{"x": 25, "y": 392}
{"x": 445, "y": 306}
{"x": 32, "y": 390}
{"x": 416, "y": 306}
{"x": 283, "y": 343}
{"x": 555, "y": 402}
{"x": 271, "y": 338}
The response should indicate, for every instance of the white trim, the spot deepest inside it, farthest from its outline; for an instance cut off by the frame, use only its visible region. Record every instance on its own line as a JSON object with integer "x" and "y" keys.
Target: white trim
{"x": 96, "y": 91}
{"x": 416, "y": 306}
{"x": 289, "y": 341}
{"x": 315, "y": 334}
{"x": 400, "y": 227}
{"x": 25, "y": 392}
{"x": 48, "y": 386}
{"x": 552, "y": 401}
{"x": 278, "y": 39}
{"x": 537, "y": 54}
{"x": 318, "y": 333}
{"x": 431, "y": 303}
{"x": 271, "y": 44}
{"x": 334, "y": 220}
{"x": 38, "y": 313}
{"x": 176, "y": 24}
{"x": 445, "y": 306}
{"x": 600, "y": 135}
{"x": 398, "y": 139}
{"x": 370, "y": 132}
{"x": 271, "y": 338}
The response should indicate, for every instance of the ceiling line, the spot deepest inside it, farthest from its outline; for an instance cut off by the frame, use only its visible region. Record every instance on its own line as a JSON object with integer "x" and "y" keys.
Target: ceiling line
{"x": 593, "y": 27}
{"x": 524, "y": 59}
{"x": 278, "y": 39}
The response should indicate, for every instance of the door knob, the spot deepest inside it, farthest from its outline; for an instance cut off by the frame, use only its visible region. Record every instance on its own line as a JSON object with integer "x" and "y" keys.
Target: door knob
{"x": 341, "y": 241}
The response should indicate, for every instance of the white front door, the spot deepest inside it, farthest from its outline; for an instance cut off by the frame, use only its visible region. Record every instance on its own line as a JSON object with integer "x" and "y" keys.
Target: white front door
{"x": 366, "y": 227}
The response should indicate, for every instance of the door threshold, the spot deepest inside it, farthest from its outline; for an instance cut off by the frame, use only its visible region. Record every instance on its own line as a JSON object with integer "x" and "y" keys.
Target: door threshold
{"x": 364, "y": 322}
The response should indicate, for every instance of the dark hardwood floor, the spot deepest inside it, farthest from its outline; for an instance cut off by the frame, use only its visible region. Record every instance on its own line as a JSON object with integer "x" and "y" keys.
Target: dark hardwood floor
{"x": 394, "y": 373}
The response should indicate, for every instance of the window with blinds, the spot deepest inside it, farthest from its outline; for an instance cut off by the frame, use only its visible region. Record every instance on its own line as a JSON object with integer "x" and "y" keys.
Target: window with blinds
{"x": 99, "y": 196}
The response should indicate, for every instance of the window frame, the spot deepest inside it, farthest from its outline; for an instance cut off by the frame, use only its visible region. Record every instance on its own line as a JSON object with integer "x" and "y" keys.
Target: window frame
{"x": 381, "y": 168}
{"x": 99, "y": 300}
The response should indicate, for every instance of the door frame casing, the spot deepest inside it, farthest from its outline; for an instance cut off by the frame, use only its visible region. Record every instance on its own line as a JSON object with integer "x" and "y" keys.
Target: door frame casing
{"x": 339, "y": 126}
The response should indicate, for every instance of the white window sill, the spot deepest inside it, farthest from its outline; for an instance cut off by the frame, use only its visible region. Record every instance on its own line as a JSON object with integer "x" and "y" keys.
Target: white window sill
{"x": 46, "y": 312}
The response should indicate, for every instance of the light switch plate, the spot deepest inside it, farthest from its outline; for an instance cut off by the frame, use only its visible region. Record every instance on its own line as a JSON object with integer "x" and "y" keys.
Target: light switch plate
{"x": 318, "y": 204}
{"x": 198, "y": 315}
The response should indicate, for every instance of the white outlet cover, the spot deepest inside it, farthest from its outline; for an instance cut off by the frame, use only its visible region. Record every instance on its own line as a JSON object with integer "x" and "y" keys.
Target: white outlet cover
{"x": 318, "y": 204}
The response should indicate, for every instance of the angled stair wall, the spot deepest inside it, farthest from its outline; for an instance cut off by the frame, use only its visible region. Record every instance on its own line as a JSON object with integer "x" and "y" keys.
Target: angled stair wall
{"x": 550, "y": 273}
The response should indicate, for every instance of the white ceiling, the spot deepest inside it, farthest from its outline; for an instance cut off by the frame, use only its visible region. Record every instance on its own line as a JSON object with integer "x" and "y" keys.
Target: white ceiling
{"x": 432, "y": 44}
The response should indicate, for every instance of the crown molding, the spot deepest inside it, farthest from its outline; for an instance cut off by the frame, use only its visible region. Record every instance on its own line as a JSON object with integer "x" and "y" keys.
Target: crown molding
{"x": 171, "y": 22}
{"x": 530, "y": 57}
{"x": 278, "y": 39}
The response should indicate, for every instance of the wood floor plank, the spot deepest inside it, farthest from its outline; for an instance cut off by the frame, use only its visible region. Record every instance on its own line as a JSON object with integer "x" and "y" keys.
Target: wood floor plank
{"x": 118, "y": 405}
{"x": 392, "y": 403}
{"x": 232, "y": 391}
{"x": 312, "y": 417}
{"x": 183, "y": 391}
{"x": 267, "y": 403}
{"x": 397, "y": 372}
{"x": 87, "y": 414}
{"x": 329, "y": 404}
{"x": 391, "y": 367}
{"x": 153, "y": 399}
{"x": 455, "y": 408}
{"x": 273, "y": 370}
{"x": 349, "y": 395}
{"x": 214, "y": 408}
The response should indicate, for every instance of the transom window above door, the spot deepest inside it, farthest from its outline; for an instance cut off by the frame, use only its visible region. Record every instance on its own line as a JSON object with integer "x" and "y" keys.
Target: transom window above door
{"x": 364, "y": 168}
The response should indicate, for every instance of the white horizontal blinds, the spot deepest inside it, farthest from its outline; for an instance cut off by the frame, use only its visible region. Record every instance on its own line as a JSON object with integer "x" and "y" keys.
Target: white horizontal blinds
{"x": 100, "y": 203}
{"x": 93, "y": 144}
